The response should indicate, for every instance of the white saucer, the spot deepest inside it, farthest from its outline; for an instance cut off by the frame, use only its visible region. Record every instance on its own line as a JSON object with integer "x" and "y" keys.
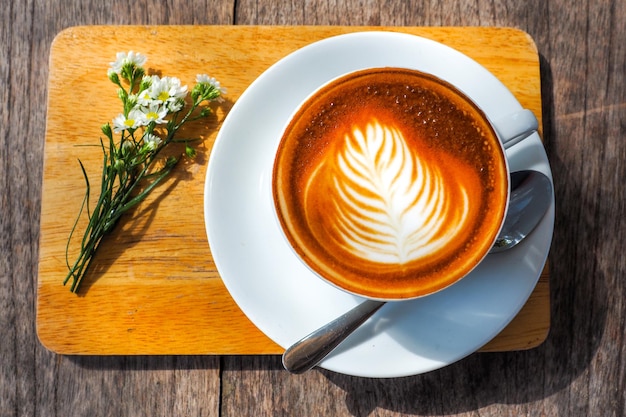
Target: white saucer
{"x": 280, "y": 295}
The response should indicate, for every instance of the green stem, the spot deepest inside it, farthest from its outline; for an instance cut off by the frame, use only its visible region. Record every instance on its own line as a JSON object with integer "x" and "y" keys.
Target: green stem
{"x": 128, "y": 177}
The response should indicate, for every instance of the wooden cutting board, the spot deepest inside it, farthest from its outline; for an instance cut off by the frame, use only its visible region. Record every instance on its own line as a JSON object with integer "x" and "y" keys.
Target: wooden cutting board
{"x": 154, "y": 288}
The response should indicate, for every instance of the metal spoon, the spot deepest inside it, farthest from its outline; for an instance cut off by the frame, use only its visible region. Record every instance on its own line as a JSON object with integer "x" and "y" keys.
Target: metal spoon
{"x": 531, "y": 196}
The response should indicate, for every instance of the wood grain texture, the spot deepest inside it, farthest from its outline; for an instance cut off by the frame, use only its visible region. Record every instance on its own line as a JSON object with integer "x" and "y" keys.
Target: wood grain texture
{"x": 153, "y": 287}
{"x": 580, "y": 370}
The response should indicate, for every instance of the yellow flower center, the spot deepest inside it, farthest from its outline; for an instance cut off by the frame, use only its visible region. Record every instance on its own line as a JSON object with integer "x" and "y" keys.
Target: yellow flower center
{"x": 152, "y": 115}
{"x": 164, "y": 95}
{"x": 129, "y": 122}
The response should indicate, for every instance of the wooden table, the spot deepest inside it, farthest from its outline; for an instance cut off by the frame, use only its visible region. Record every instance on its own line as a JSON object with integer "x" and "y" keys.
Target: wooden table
{"x": 579, "y": 370}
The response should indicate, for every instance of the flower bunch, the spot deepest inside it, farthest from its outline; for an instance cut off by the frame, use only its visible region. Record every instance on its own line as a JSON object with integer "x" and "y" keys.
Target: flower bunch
{"x": 153, "y": 111}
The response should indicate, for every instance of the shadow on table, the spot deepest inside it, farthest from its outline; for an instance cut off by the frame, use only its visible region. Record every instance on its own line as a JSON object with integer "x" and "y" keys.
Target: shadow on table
{"x": 146, "y": 363}
{"x": 579, "y": 313}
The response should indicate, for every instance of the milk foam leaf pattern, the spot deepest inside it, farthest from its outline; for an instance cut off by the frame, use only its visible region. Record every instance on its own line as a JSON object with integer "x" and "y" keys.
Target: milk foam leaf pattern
{"x": 390, "y": 206}
{"x": 153, "y": 111}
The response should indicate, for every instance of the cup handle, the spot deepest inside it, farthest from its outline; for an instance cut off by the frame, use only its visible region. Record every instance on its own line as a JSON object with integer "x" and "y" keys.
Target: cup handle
{"x": 515, "y": 127}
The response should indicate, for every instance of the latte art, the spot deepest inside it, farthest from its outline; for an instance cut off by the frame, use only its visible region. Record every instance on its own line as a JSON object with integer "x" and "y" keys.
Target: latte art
{"x": 389, "y": 183}
{"x": 387, "y": 204}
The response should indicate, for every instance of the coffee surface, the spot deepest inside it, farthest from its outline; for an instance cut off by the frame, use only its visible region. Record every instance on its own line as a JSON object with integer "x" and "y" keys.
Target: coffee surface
{"x": 390, "y": 183}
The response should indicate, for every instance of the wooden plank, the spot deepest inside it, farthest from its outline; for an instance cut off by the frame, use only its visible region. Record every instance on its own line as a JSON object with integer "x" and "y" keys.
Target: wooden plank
{"x": 155, "y": 288}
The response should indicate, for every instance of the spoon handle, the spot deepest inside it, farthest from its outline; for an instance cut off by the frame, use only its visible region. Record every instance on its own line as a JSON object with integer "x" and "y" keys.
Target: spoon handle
{"x": 310, "y": 350}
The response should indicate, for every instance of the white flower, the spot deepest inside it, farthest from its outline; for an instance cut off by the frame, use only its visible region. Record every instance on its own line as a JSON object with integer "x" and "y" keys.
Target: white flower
{"x": 143, "y": 95}
{"x": 133, "y": 121}
{"x": 151, "y": 141}
{"x": 123, "y": 58}
{"x": 203, "y": 78}
{"x": 166, "y": 89}
{"x": 144, "y": 98}
{"x": 152, "y": 113}
{"x": 175, "y": 106}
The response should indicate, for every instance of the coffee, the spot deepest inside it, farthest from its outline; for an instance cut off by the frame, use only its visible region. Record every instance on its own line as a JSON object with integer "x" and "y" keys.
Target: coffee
{"x": 390, "y": 183}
